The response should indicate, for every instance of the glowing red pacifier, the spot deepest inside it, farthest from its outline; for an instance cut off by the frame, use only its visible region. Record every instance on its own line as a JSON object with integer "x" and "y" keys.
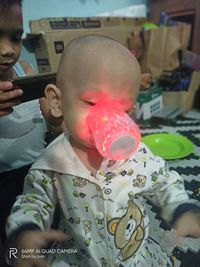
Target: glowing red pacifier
{"x": 115, "y": 134}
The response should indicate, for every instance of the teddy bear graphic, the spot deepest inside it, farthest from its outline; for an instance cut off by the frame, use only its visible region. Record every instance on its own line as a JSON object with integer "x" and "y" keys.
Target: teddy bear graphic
{"x": 140, "y": 181}
{"x": 87, "y": 226}
{"x": 79, "y": 182}
{"x": 128, "y": 231}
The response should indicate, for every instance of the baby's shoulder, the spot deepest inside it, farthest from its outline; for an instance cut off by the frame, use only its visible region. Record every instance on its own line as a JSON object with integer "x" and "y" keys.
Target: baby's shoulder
{"x": 51, "y": 155}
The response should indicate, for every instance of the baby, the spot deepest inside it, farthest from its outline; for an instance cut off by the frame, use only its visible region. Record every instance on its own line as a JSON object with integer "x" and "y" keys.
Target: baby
{"x": 103, "y": 219}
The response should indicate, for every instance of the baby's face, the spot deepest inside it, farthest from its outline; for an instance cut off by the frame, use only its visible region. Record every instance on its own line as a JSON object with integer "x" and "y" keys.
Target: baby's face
{"x": 110, "y": 81}
{"x": 11, "y": 29}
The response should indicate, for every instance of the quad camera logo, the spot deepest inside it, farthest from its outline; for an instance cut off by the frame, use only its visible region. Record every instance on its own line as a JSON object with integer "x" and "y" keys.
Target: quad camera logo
{"x": 37, "y": 253}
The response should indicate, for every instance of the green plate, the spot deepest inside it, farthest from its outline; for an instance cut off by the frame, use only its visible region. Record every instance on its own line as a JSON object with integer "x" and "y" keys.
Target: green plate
{"x": 168, "y": 146}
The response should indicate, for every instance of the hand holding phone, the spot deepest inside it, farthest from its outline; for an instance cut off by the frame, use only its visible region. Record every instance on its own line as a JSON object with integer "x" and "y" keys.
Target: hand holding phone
{"x": 33, "y": 86}
{"x": 9, "y": 97}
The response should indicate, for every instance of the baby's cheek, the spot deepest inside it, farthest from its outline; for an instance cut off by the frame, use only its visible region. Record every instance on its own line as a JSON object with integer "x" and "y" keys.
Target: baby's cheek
{"x": 87, "y": 136}
{"x": 77, "y": 125}
{"x": 82, "y": 131}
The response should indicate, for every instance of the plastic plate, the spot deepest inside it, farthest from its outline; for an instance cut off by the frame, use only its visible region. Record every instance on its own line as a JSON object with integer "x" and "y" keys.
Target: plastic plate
{"x": 169, "y": 146}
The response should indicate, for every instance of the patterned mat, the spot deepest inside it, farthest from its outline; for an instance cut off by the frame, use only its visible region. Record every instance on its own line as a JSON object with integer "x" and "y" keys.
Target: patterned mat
{"x": 187, "y": 252}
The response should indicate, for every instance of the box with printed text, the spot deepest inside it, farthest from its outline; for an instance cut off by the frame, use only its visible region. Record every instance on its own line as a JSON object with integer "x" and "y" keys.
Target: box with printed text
{"x": 149, "y": 102}
{"x": 50, "y": 35}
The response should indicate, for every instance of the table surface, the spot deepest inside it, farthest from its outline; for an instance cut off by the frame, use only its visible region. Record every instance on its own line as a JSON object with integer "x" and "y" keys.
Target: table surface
{"x": 187, "y": 252}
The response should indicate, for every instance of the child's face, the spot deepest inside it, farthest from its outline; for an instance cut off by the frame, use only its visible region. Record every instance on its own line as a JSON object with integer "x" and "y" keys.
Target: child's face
{"x": 113, "y": 80}
{"x": 11, "y": 29}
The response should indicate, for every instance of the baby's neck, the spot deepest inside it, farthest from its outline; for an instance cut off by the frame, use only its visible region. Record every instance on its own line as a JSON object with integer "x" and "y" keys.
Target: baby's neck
{"x": 90, "y": 157}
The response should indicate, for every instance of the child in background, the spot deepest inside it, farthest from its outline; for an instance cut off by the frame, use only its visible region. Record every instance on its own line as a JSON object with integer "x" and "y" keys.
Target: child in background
{"x": 103, "y": 218}
{"x": 22, "y": 127}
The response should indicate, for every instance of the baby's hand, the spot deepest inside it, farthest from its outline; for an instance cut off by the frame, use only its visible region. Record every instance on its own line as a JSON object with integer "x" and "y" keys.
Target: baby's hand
{"x": 35, "y": 240}
{"x": 188, "y": 225}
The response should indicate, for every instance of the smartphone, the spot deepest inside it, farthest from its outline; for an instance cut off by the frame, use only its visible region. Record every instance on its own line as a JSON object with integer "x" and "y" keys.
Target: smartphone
{"x": 33, "y": 86}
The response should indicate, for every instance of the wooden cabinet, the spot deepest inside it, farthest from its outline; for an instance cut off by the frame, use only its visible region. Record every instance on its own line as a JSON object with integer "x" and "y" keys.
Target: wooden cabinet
{"x": 180, "y": 10}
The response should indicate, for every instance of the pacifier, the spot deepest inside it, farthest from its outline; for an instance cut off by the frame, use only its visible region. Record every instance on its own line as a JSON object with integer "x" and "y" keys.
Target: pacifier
{"x": 115, "y": 134}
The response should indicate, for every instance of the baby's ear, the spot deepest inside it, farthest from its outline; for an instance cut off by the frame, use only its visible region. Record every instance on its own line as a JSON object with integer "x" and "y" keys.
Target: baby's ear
{"x": 53, "y": 96}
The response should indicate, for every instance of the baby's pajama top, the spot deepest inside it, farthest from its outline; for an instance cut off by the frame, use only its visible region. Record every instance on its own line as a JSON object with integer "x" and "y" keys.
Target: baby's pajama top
{"x": 104, "y": 215}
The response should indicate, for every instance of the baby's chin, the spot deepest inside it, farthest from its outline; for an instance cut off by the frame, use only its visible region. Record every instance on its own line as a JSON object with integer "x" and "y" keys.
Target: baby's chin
{"x": 83, "y": 142}
{"x": 88, "y": 143}
{"x": 87, "y": 140}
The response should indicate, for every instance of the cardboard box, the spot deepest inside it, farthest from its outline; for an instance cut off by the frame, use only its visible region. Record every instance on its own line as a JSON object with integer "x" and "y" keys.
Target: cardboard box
{"x": 51, "y": 35}
{"x": 49, "y": 46}
{"x": 149, "y": 102}
{"x": 183, "y": 99}
{"x": 71, "y": 23}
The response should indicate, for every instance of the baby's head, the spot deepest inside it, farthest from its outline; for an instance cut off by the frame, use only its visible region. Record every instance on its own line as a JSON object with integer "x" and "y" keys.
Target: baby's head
{"x": 11, "y": 29}
{"x": 93, "y": 70}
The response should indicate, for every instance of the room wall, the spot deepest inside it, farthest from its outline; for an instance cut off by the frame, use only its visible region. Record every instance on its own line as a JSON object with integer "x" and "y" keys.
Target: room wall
{"x": 36, "y": 9}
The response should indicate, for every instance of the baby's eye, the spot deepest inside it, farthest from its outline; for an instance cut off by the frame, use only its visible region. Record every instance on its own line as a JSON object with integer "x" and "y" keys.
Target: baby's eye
{"x": 90, "y": 103}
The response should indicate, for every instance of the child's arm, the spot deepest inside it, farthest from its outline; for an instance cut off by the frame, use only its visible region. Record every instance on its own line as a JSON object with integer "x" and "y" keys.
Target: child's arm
{"x": 32, "y": 240}
{"x": 168, "y": 191}
{"x": 36, "y": 204}
{"x": 33, "y": 211}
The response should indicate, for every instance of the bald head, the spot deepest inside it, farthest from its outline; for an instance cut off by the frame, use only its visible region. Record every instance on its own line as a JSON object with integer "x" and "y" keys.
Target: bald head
{"x": 96, "y": 57}
{"x": 93, "y": 70}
